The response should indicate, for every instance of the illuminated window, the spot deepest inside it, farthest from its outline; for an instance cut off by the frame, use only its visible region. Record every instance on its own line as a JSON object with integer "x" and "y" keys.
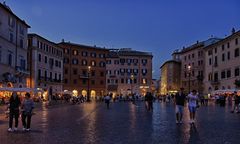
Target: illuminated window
{"x": 144, "y": 81}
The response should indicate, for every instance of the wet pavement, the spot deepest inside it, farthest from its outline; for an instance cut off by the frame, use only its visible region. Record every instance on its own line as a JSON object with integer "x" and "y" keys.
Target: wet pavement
{"x": 125, "y": 123}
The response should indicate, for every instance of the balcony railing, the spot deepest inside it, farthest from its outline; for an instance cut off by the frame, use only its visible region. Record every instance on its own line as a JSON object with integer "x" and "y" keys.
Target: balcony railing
{"x": 215, "y": 82}
{"x": 21, "y": 70}
{"x": 46, "y": 79}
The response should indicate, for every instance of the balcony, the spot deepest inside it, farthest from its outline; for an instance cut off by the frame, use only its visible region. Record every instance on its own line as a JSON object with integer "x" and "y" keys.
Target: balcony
{"x": 50, "y": 80}
{"x": 215, "y": 82}
{"x": 21, "y": 71}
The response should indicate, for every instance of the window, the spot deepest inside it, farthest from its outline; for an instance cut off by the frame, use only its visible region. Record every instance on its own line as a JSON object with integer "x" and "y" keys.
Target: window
{"x": 75, "y": 61}
{"x": 228, "y": 73}
{"x": 66, "y": 71}
{"x": 84, "y": 73}
{"x": 10, "y": 58}
{"x": 236, "y": 52}
{"x": 210, "y": 77}
{"x": 11, "y": 37}
{"x": 21, "y": 43}
{"x": 144, "y": 71}
{"x": 11, "y": 22}
{"x": 236, "y": 41}
{"x": 193, "y": 55}
{"x": 144, "y": 81}
{"x": 66, "y": 51}
{"x": 135, "y": 81}
{"x": 75, "y": 52}
{"x": 215, "y": 50}
{"x": 116, "y": 62}
{"x": 210, "y": 52}
{"x": 101, "y": 82}
{"x": 210, "y": 61}
{"x": 56, "y": 63}
{"x": 55, "y": 77}
{"x": 228, "y": 45}
{"x": 223, "y": 74}
{"x": 102, "y": 64}
{"x": 223, "y": 47}
{"x": 85, "y": 54}
{"x": 185, "y": 58}
{"x": 122, "y": 80}
{"x": 144, "y": 61}
{"x": 22, "y": 63}
{"x": 39, "y": 57}
{"x": 39, "y": 74}
{"x": 50, "y": 75}
{"x": 84, "y": 62}
{"x": 223, "y": 57}
{"x": 45, "y": 59}
{"x": 236, "y": 71}
{"x": 93, "y": 63}
{"x": 75, "y": 71}
{"x": 102, "y": 74}
{"x": 93, "y": 54}
{"x": 66, "y": 60}
{"x": 228, "y": 55}
{"x": 45, "y": 75}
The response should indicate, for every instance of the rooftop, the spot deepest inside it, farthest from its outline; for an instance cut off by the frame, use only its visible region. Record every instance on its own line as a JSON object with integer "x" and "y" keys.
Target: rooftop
{"x": 7, "y": 8}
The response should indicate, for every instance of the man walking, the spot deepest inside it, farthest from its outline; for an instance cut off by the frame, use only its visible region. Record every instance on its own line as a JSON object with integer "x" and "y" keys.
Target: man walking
{"x": 179, "y": 102}
{"x": 14, "y": 104}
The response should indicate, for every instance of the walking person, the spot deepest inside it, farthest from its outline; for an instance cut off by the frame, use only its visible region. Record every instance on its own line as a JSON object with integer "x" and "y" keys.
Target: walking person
{"x": 27, "y": 107}
{"x": 236, "y": 103}
{"x": 179, "y": 102}
{"x": 149, "y": 98}
{"x": 14, "y": 104}
{"x": 107, "y": 101}
{"x": 192, "y": 105}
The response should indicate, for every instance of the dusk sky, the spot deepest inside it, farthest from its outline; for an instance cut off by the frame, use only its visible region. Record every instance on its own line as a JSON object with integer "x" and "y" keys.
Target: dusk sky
{"x": 157, "y": 26}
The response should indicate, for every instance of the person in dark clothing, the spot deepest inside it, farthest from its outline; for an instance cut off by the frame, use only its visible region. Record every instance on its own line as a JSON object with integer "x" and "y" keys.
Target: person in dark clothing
{"x": 14, "y": 104}
{"x": 179, "y": 102}
{"x": 27, "y": 107}
{"x": 149, "y": 99}
{"x": 236, "y": 103}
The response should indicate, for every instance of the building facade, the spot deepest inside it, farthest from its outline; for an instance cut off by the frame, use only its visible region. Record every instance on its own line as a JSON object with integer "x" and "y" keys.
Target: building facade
{"x": 170, "y": 77}
{"x": 222, "y": 64}
{"x": 128, "y": 72}
{"x": 193, "y": 65}
{"x": 13, "y": 49}
{"x": 45, "y": 65}
{"x": 84, "y": 69}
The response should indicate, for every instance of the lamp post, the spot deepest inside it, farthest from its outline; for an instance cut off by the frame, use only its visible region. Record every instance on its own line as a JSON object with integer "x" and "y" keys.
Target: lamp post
{"x": 88, "y": 92}
{"x": 189, "y": 76}
{"x": 132, "y": 78}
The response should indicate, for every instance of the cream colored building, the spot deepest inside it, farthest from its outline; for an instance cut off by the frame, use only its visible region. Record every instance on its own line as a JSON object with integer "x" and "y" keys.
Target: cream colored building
{"x": 13, "y": 49}
{"x": 46, "y": 65}
{"x": 222, "y": 64}
{"x": 170, "y": 77}
{"x": 128, "y": 71}
{"x": 193, "y": 65}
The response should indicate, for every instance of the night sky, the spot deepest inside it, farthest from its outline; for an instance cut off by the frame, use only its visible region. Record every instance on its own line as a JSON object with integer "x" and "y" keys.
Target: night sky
{"x": 157, "y": 26}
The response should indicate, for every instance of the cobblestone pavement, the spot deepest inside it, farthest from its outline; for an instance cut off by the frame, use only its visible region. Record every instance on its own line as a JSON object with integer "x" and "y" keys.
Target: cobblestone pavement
{"x": 125, "y": 123}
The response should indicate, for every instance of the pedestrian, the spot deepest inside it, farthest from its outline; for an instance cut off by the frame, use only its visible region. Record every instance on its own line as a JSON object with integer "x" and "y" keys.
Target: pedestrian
{"x": 14, "y": 104}
{"x": 236, "y": 103}
{"x": 192, "y": 105}
{"x": 27, "y": 107}
{"x": 149, "y": 99}
{"x": 179, "y": 102}
{"x": 107, "y": 101}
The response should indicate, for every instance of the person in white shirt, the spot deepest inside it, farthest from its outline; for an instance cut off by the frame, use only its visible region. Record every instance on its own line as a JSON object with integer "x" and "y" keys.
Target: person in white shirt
{"x": 192, "y": 105}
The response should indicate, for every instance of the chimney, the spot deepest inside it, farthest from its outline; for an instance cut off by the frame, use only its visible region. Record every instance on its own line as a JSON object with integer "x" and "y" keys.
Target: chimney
{"x": 197, "y": 41}
{"x": 63, "y": 40}
{"x": 233, "y": 30}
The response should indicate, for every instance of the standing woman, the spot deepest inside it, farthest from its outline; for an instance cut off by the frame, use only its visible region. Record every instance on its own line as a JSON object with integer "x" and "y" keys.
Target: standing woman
{"x": 192, "y": 105}
{"x": 14, "y": 104}
{"x": 27, "y": 107}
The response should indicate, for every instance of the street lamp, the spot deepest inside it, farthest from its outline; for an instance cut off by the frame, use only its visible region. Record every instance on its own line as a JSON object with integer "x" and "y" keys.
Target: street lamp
{"x": 189, "y": 76}
{"x": 88, "y": 92}
{"x": 132, "y": 78}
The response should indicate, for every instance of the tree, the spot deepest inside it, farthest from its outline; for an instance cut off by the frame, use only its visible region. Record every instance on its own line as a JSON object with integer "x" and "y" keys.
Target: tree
{"x": 237, "y": 83}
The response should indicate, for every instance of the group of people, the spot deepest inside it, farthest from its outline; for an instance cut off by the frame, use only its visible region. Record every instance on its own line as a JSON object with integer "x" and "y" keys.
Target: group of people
{"x": 180, "y": 99}
{"x": 16, "y": 108}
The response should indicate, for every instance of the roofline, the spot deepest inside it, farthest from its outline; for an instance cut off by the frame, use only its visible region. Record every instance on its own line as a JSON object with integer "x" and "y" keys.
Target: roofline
{"x": 81, "y": 45}
{"x": 223, "y": 40}
{"x": 169, "y": 62}
{"x": 9, "y": 11}
{"x": 34, "y": 34}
